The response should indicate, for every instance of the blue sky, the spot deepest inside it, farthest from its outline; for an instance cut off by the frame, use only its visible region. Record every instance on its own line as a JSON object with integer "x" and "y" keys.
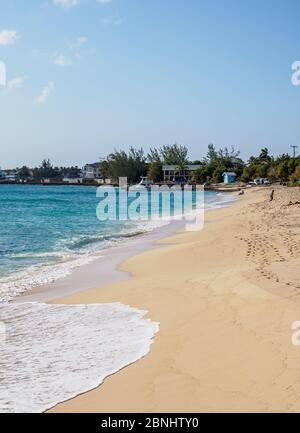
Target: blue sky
{"x": 87, "y": 78}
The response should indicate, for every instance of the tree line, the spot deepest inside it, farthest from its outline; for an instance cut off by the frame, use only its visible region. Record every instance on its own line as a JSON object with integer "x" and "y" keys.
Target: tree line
{"x": 47, "y": 171}
{"x": 135, "y": 163}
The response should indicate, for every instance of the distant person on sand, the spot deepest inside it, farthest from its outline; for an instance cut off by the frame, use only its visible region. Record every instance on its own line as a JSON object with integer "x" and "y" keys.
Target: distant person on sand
{"x": 271, "y": 196}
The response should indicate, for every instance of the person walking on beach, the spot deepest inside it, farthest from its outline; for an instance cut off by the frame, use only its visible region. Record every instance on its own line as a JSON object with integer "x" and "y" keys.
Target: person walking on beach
{"x": 271, "y": 196}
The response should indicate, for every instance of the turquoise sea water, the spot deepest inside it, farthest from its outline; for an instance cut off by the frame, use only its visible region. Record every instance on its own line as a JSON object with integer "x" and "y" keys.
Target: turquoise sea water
{"x": 42, "y": 226}
{"x": 39, "y": 224}
{"x": 51, "y": 353}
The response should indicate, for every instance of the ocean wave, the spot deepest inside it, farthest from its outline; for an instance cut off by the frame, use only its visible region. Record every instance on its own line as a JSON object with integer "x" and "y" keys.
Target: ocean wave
{"x": 32, "y": 255}
{"x": 39, "y": 275}
{"x": 80, "y": 250}
{"x": 83, "y": 242}
{"x": 52, "y": 353}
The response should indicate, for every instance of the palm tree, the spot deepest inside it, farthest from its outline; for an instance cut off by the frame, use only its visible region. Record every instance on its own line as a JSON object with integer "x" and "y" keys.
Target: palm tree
{"x": 264, "y": 154}
{"x": 181, "y": 166}
{"x": 104, "y": 169}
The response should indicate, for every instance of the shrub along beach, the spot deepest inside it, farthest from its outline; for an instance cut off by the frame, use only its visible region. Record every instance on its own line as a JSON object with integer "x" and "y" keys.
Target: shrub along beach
{"x": 168, "y": 164}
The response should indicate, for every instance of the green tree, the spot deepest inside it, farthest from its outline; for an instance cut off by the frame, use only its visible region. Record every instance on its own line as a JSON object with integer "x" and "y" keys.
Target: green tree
{"x": 218, "y": 174}
{"x": 46, "y": 170}
{"x": 154, "y": 156}
{"x": 174, "y": 154}
{"x": 24, "y": 173}
{"x": 201, "y": 175}
{"x": 104, "y": 170}
{"x": 272, "y": 173}
{"x": 248, "y": 173}
{"x": 264, "y": 155}
{"x": 181, "y": 167}
{"x": 261, "y": 170}
{"x": 155, "y": 172}
{"x": 131, "y": 165}
{"x": 212, "y": 154}
{"x": 282, "y": 171}
{"x": 296, "y": 175}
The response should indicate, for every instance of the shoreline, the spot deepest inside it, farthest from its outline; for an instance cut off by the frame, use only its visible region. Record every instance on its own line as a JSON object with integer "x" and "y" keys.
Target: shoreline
{"x": 231, "y": 188}
{"x": 225, "y": 329}
{"x": 105, "y": 265}
{"x": 105, "y": 269}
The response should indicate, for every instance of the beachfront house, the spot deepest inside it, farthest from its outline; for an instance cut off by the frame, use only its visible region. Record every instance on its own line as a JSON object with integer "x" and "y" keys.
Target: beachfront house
{"x": 11, "y": 176}
{"x": 229, "y": 177}
{"x": 72, "y": 180}
{"x": 173, "y": 174}
{"x": 91, "y": 171}
{"x": 2, "y": 175}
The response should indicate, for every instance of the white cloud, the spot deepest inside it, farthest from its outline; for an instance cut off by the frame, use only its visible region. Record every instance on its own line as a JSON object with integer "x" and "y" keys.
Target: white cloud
{"x": 82, "y": 40}
{"x": 8, "y": 37}
{"x": 62, "y": 61}
{"x": 45, "y": 93}
{"x": 16, "y": 83}
{"x": 66, "y": 3}
{"x": 112, "y": 21}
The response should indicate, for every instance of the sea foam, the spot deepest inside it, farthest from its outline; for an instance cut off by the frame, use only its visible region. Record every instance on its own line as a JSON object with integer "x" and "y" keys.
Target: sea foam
{"x": 51, "y": 353}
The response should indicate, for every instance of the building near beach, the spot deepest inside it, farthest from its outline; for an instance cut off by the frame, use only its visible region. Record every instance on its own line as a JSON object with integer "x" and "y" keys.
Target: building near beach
{"x": 229, "y": 177}
{"x": 173, "y": 174}
{"x": 91, "y": 171}
{"x": 72, "y": 180}
{"x": 9, "y": 176}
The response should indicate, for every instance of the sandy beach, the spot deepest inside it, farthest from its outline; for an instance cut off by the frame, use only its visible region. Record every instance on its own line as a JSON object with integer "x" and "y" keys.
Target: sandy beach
{"x": 225, "y": 298}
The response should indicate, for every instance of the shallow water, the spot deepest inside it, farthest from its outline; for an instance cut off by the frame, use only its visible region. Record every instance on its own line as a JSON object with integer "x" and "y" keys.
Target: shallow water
{"x": 51, "y": 353}
{"x": 48, "y": 231}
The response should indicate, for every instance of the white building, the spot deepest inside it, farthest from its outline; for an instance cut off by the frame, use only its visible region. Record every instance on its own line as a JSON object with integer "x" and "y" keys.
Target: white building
{"x": 8, "y": 176}
{"x": 71, "y": 180}
{"x": 173, "y": 174}
{"x": 91, "y": 171}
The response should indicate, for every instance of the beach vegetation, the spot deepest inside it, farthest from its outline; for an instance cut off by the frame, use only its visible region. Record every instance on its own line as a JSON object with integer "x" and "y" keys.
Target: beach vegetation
{"x": 135, "y": 164}
{"x": 104, "y": 170}
{"x": 130, "y": 164}
{"x": 46, "y": 171}
{"x": 174, "y": 154}
{"x": 296, "y": 175}
{"x": 24, "y": 173}
{"x": 216, "y": 163}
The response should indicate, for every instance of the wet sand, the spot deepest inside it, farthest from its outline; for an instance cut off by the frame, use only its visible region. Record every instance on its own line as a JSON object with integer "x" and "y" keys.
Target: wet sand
{"x": 225, "y": 298}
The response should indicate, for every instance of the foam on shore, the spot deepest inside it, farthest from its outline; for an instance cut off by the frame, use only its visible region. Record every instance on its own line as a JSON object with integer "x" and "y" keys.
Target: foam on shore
{"x": 59, "y": 264}
{"x": 51, "y": 353}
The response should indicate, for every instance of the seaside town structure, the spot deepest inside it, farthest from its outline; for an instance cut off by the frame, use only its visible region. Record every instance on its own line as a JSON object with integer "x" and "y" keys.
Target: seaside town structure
{"x": 217, "y": 169}
{"x": 172, "y": 173}
{"x": 91, "y": 171}
{"x": 229, "y": 177}
{"x": 72, "y": 181}
{"x": 9, "y": 176}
